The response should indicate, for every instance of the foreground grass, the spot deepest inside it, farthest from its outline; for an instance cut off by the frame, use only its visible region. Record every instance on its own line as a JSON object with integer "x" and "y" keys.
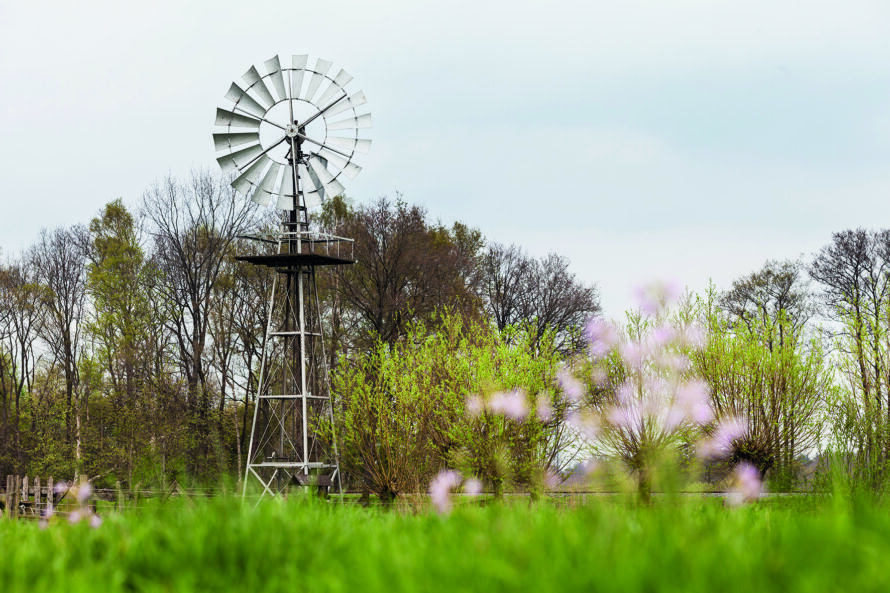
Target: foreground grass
{"x": 221, "y": 545}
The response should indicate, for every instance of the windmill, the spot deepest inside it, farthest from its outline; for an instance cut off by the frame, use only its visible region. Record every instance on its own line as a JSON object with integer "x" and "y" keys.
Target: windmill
{"x": 290, "y": 137}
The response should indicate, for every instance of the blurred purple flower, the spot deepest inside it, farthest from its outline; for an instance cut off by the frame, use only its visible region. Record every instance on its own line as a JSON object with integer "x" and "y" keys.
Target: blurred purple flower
{"x": 543, "y": 408}
{"x": 475, "y": 406}
{"x": 746, "y": 485}
{"x": 441, "y": 487}
{"x": 728, "y": 430}
{"x": 626, "y": 393}
{"x": 693, "y": 398}
{"x": 510, "y": 404}
{"x": 662, "y": 336}
{"x": 60, "y": 487}
{"x": 75, "y": 516}
{"x": 633, "y": 354}
{"x": 95, "y": 521}
{"x": 673, "y": 419}
{"x": 473, "y": 487}
{"x": 600, "y": 377}
{"x": 83, "y": 492}
{"x": 627, "y": 417}
{"x": 587, "y": 426}
{"x": 587, "y": 467}
{"x": 603, "y": 336}
{"x": 552, "y": 479}
{"x": 573, "y": 388}
{"x": 694, "y": 336}
{"x": 657, "y": 296}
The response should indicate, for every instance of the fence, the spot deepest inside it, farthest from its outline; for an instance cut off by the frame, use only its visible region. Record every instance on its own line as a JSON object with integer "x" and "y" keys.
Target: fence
{"x": 27, "y": 497}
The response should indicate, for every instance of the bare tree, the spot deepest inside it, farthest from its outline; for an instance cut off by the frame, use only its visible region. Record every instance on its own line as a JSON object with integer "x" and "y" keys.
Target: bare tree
{"x": 543, "y": 293}
{"x": 774, "y": 296}
{"x": 60, "y": 259}
{"x": 194, "y": 224}
{"x": 407, "y": 268}
{"x": 854, "y": 276}
{"x": 21, "y": 319}
{"x": 505, "y": 271}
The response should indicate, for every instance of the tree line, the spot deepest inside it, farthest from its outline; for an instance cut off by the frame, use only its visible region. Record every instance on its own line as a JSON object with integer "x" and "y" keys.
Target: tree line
{"x": 129, "y": 345}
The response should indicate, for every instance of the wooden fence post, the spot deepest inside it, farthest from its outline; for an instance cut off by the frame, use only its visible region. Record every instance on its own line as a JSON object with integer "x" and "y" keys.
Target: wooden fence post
{"x": 120, "y": 495}
{"x": 37, "y": 496}
{"x": 16, "y": 494}
{"x": 50, "y": 492}
{"x": 10, "y": 484}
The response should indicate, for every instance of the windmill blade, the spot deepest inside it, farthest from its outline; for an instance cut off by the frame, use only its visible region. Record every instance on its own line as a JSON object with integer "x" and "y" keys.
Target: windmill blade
{"x": 307, "y": 178}
{"x": 255, "y": 83}
{"x": 317, "y": 193}
{"x": 351, "y": 145}
{"x": 351, "y": 170}
{"x": 362, "y": 121}
{"x": 231, "y": 140}
{"x": 273, "y": 67}
{"x": 336, "y": 86}
{"x": 264, "y": 191}
{"x": 286, "y": 192}
{"x": 235, "y": 120}
{"x": 321, "y": 68}
{"x": 248, "y": 178}
{"x": 334, "y": 189}
{"x": 244, "y": 101}
{"x": 332, "y": 157}
{"x": 239, "y": 158}
{"x": 354, "y": 100}
{"x": 296, "y": 76}
{"x": 318, "y": 165}
{"x": 312, "y": 200}
{"x": 346, "y": 167}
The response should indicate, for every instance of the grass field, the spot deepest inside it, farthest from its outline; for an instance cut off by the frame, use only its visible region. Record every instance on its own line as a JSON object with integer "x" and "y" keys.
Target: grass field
{"x": 308, "y": 545}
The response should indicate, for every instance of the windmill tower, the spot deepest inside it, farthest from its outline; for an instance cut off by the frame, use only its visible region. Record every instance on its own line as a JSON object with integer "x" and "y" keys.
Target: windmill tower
{"x": 290, "y": 137}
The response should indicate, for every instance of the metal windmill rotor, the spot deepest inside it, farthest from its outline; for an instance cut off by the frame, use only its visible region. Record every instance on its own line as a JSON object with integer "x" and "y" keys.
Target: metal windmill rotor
{"x": 274, "y": 114}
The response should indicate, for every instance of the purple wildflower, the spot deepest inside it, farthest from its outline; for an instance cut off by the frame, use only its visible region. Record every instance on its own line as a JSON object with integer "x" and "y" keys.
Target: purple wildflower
{"x": 552, "y": 479}
{"x": 573, "y": 388}
{"x": 473, "y": 487}
{"x": 657, "y": 296}
{"x": 83, "y": 492}
{"x": 441, "y": 487}
{"x": 475, "y": 406}
{"x": 662, "y": 336}
{"x": 694, "y": 336}
{"x": 587, "y": 467}
{"x": 633, "y": 354}
{"x": 747, "y": 485}
{"x": 586, "y": 425}
{"x": 692, "y": 398}
{"x": 510, "y": 404}
{"x": 543, "y": 408}
{"x": 728, "y": 430}
{"x": 603, "y": 336}
{"x": 95, "y": 521}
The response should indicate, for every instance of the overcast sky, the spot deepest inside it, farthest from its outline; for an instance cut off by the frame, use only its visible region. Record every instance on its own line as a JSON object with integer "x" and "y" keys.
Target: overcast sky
{"x": 642, "y": 139}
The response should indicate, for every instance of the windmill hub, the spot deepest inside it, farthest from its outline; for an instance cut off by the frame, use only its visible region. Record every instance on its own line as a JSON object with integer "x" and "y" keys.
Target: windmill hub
{"x": 291, "y": 130}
